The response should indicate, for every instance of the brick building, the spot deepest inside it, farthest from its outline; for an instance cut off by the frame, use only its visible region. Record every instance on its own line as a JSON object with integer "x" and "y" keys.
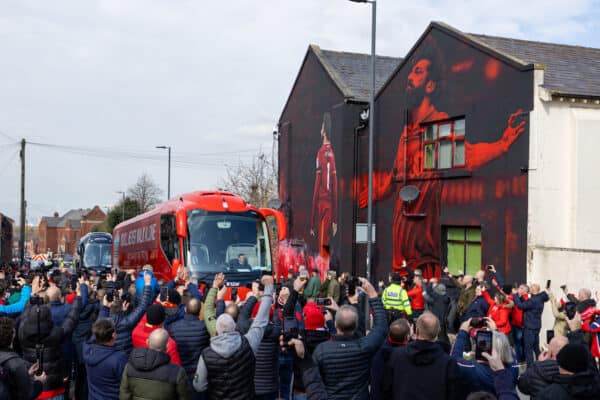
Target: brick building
{"x": 60, "y": 234}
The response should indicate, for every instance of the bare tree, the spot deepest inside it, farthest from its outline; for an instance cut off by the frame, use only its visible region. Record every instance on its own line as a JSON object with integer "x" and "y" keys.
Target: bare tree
{"x": 145, "y": 192}
{"x": 256, "y": 181}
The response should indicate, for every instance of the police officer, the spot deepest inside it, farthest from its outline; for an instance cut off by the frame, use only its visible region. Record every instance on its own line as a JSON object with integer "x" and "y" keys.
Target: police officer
{"x": 395, "y": 300}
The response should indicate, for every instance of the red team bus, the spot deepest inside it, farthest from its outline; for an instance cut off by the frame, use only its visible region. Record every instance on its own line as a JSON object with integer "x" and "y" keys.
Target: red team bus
{"x": 208, "y": 233}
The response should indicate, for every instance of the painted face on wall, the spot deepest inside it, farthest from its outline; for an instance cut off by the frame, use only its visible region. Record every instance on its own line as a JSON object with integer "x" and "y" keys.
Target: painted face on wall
{"x": 418, "y": 75}
{"x": 419, "y": 83}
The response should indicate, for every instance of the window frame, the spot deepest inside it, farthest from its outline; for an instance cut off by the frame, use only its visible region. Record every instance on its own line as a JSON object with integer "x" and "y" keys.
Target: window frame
{"x": 437, "y": 140}
{"x": 464, "y": 243}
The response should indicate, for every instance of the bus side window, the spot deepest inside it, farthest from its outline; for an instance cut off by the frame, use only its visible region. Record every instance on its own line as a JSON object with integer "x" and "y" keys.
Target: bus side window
{"x": 168, "y": 237}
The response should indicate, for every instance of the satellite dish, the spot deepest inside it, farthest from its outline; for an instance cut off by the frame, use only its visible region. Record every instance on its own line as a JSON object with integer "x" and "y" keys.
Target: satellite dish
{"x": 274, "y": 204}
{"x": 409, "y": 193}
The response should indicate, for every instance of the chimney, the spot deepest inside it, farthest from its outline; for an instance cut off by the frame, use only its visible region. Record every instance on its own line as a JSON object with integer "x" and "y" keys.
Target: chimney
{"x": 56, "y": 214}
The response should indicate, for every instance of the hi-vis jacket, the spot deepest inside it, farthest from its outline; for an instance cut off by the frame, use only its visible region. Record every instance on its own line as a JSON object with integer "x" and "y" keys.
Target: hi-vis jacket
{"x": 396, "y": 298}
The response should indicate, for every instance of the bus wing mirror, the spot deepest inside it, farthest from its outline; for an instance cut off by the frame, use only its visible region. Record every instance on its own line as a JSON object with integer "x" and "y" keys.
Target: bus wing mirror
{"x": 181, "y": 222}
{"x": 280, "y": 220}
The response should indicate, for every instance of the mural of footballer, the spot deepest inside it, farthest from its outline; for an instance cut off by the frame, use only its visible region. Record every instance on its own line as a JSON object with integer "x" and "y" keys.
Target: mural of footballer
{"x": 324, "y": 202}
{"x": 417, "y": 240}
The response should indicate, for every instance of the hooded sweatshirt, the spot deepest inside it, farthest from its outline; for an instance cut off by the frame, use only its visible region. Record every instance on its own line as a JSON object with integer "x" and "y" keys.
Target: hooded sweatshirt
{"x": 150, "y": 375}
{"x": 420, "y": 370}
{"x": 105, "y": 367}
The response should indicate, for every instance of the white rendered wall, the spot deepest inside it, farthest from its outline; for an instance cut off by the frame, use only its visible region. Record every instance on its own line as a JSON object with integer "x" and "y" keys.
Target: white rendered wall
{"x": 563, "y": 236}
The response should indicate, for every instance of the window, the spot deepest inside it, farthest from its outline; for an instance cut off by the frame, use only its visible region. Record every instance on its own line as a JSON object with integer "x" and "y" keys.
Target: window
{"x": 168, "y": 237}
{"x": 444, "y": 145}
{"x": 463, "y": 249}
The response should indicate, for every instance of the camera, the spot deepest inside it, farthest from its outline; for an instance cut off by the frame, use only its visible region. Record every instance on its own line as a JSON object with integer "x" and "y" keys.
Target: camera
{"x": 36, "y": 300}
{"x": 570, "y": 309}
{"x": 323, "y": 302}
{"x": 477, "y": 322}
{"x": 290, "y": 329}
{"x": 110, "y": 294}
{"x": 164, "y": 294}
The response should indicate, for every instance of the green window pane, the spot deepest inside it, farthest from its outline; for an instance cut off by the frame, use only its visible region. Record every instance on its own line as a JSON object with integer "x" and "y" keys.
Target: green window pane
{"x": 429, "y": 156}
{"x": 445, "y": 155}
{"x": 474, "y": 234}
{"x": 456, "y": 233}
{"x": 459, "y": 153}
{"x": 459, "y": 127}
{"x": 473, "y": 258}
{"x": 445, "y": 130}
{"x": 430, "y": 132}
{"x": 456, "y": 258}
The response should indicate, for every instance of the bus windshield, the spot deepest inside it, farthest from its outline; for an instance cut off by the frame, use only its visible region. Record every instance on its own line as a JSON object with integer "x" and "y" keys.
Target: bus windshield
{"x": 97, "y": 255}
{"x": 228, "y": 242}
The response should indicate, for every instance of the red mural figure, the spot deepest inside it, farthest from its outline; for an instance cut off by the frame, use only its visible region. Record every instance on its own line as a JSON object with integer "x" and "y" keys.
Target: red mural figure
{"x": 417, "y": 240}
{"x": 324, "y": 202}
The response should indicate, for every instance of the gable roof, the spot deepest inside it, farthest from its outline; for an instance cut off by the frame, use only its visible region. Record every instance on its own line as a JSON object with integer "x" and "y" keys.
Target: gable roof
{"x": 351, "y": 72}
{"x": 569, "y": 70}
{"x": 74, "y": 216}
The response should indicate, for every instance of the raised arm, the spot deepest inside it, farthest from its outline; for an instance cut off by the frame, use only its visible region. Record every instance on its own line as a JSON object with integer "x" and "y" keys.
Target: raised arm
{"x": 257, "y": 329}
{"x": 479, "y": 154}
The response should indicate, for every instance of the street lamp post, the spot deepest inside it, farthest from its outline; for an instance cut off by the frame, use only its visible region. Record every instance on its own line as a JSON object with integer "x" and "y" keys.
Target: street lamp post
{"x": 169, "y": 170}
{"x": 371, "y": 134}
{"x": 122, "y": 205}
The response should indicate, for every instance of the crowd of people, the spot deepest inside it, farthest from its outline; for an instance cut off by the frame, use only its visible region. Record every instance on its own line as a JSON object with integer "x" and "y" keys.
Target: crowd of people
{"x": 130, "y": 336}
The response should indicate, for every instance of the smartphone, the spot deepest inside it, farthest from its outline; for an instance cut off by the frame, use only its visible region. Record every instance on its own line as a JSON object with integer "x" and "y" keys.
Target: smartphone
{"x": 549, "y": 335}
{"x": 483, "y": 344}
{"x": 323, "y": 302}
{"x": 234, "y": 293}
{"x": 548, "y": 282}
{"x": 489, "y": 267}
{"x": 164, "y": 294}
{"x": 290, "y": 328}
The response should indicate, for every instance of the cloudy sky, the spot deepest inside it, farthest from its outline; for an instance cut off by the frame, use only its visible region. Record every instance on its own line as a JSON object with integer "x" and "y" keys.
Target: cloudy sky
{"x": 119, "y": 77}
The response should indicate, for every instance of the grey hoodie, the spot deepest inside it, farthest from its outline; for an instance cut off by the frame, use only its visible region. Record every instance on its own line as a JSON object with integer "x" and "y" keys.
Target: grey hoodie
{"x": 228, "y": 343}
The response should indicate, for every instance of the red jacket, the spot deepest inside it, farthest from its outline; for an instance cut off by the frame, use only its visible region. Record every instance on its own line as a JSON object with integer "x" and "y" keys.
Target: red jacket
{"x": 593, "y": 327}
{"x": 417, "y": 302}
{"x": 500, "y": 314}
{"x": 516, "y": 316}
{"x": 140, "y": 339}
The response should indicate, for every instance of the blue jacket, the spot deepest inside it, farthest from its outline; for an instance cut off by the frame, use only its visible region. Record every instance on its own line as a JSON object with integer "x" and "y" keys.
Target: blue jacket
{"x": 473, "y": 375}
{"x": 478, "y": 308}
{"x": 104, "y": 366}
{"x": 139, "y": 286}
{"x": 124, "y": 324}
{"x": 19, "y": 306}
{"x": 191, "y": 337}
{"x": 532, "y": 310}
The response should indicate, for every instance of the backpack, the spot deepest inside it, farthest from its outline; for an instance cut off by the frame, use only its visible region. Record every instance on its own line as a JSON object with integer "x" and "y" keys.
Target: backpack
{"x": 5, "y": 386}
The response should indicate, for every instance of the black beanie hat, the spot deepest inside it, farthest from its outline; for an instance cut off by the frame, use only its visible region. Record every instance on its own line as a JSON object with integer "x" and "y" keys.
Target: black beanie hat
{"x": 396, "y": 277}
{"x": 155, "y": 314}
{"x": 574, "y": 358}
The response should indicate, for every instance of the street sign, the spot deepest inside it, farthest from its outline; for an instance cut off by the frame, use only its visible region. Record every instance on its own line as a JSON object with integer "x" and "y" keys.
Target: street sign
{"x": 361, "y": 233}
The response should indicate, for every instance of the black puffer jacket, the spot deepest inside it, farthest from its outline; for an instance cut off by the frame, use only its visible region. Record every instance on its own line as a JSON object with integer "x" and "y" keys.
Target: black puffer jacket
{"x": 191, "y": 337}
{"x": 537, "y": 377}
{"x": 21, "y": 386}
{"x": 344, "y": 362}
{"x": 230, "y": 378}
{"x": 50, "y": 337}
{"x": 124, "y": 324}
{"x": 83, "y": 330}
{"x": 266, "y": 374}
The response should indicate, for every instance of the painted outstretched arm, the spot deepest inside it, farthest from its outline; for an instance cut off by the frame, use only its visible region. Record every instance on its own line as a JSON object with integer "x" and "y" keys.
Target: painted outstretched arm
{"x": 479, "y": 154}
